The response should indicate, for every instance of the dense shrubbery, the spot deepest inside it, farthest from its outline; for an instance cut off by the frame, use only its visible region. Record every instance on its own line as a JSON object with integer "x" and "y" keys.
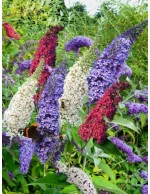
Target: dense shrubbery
{"x": 112, "y": 154}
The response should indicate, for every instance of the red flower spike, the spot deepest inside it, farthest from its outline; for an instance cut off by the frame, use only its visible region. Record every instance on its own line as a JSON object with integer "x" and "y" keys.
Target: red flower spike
{"x": 10, "y": 31}
{"x": 95, "y": 126}
{"x": 47, "y": 50}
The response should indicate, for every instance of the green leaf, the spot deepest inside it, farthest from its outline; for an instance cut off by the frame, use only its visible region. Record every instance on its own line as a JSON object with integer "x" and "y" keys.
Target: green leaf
{"x": 143, "y": 118}
{"x": 51, "y": 179}
{"x": 107, "y": 170}
{"x": 88, "y": 147}
{"x": 70, "y": 189}
{"x": 108, "y": 147}
{"x": 8, "y": 159}
{"x": 96, "y": 161}
{"x": 7, "y": 178}
{"x": 76, "y": 137}
{"x": 14, "y": 193}
{"x": 52, "y": 191}
{"x": 124, "y": 122}
{"x": 101, "y": 183}
{"x": 23, "y": 182}
{"x": 82, "y": 114}
{"x": 131, "y": 83}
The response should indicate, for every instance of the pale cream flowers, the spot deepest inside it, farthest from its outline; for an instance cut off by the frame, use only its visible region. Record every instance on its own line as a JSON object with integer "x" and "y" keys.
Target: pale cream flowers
{"x": 75, "y": 88}
{"x": 78, "y": 177}
{"x": 21, "y": 107}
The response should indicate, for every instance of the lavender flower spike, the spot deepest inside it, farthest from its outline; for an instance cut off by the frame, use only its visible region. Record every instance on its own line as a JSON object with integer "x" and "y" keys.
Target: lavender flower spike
{"x": 23, "y": 66}
{"x": 106, "y": 70}
{"x": 132, "y": 158}
{"x": 144, "y": 175}
{"x": 141, "y": 95}
{"x": 76, "y": 43}
{"x": 48, "y": 115}
{"x": 145, "y": 159}
{"x": 126, "y": 149}
{"x": 136, "y": 108}
{"x": 26, "y": 152}
{"x": 121, "y": 145}
{"x": 145, "y": 189}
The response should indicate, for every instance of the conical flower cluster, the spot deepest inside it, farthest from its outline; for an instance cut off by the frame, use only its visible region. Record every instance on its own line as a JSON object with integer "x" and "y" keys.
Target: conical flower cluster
{"x": 77, "y": 42}
{"x": 78, "y": 177}
{"x": 47, "y": 50}
{"x": 20, "y": 109}
{"x": 48, "y": 115}
{"x": 10, "y": 31}
{"x": 75, "y": 88}
{"x": 108, "y": 68}
{"x": 95, "y": 126}
{"x": 126, "y": 149}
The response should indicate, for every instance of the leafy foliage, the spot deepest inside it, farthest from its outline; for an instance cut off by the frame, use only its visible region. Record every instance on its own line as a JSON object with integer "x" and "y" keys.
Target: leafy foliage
{"x": 107, "y": 166}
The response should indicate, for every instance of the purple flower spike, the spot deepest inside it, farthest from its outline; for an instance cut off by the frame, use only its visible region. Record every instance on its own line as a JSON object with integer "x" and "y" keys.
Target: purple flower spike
{"x": 136, "y": 108}
{"x": 76, "y": 43}
{"x": 144, "y": 175}
{"x": 111, "y": 63}
{"x": 48, "y": 105}
{"x": 121, "y": 145}
{"x": 26, "y": 152}
{"x": 141, "y": 95}
{"x": 23, "y": 66}
{"x": 145, "y": 159}
{"x": 145, "y": 189}
{"x": 132, "y": 158}
{"x": 48, "y": 116}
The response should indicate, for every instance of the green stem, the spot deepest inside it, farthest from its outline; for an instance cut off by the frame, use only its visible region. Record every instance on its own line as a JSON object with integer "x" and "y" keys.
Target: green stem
{"x": 127, "y": 98}
{"x": 44, "y": 170}
{"x": 84, "y": 163}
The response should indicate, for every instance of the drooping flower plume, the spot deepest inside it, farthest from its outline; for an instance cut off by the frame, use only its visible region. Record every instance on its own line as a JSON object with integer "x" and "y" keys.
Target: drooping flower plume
{"x": 10, "y": 31}
{"x": 81, "y": 180}
{"x": 122, "y": 146}
{"x": 145, "y": 189}
{"x": 21, "y": 106}
{"x": 77, "y": 42}
{"x": 95, "y": 126}
{"x": 47, "y": 50}
{"x": 107, "y": 69}
{"x": 142, "y": 95}
{"x": 78, "y": 177}
{"x": 25, "y": 65}
{"x": 144, "y": 175}
{"x": 48, "y": 115}
{"x": 26, "y": 152}
{"x": 145, "y": 159}
{"x": 136, "y": 108}
{"x": 75, "y": 88}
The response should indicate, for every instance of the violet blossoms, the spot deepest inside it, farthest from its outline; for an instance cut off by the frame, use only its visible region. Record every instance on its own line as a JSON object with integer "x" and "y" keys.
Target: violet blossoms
{"x": 136, "y": 108}
{"x": 126, "y": 149}
{"x": 142, "y": 95}
{"x": 108, "y": 68}
{"x": 25, "y": 65}
{"x": 76, "y": 43}
{"x": 26, "y": 151}
{"x": 48, "y": 116}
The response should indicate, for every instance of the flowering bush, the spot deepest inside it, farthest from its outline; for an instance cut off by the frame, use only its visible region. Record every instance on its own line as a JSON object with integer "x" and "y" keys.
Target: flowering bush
{"x": 84, "y": 129}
